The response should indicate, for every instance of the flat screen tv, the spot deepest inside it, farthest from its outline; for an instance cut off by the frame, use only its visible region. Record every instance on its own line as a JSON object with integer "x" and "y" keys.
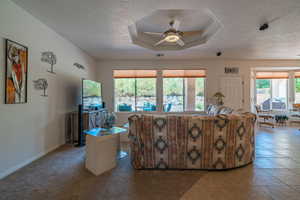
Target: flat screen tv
{"x": 91, "y": 95}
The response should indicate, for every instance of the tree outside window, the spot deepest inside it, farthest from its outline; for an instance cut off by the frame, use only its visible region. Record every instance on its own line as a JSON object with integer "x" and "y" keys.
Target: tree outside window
{"x": 135, "y": 94}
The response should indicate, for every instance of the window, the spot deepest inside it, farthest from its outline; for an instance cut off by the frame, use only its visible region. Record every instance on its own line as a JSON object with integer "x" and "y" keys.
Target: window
{"x": 297, "y": 87}
{"x": 135, "y": 90}
{"x": 200, "y": 84}
{"x": 173, "y": 94}
{"x": 263, "y": 93}
{"x": 145, "y": 94}
{"x": 183, "y": 90}
{"x": 271, "y": 90}
{"x": 125, "y": 94}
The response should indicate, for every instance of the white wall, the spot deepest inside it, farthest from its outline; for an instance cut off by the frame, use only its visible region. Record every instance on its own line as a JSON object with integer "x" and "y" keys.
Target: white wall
{"x": 215, "y": 70}
{"x": 30, "y": 130}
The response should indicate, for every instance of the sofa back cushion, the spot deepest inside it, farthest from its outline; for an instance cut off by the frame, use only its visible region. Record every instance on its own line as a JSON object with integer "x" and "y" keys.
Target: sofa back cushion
{"x": 225, "y": 110}
{"x": 212, "y": 109}
{"x": 186, "y": 141}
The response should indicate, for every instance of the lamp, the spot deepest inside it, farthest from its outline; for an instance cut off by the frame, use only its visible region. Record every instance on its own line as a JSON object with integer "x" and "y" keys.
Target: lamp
{"x": 219, "y": 98}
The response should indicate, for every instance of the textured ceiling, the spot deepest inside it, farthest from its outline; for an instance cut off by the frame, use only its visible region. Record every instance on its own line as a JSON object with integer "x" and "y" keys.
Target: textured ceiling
{"x": 159, "y": 22}
{"x": 100, "y": 27}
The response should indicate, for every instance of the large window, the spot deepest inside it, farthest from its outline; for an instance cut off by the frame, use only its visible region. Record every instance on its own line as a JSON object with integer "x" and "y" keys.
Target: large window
{"x": 173, "y": 94}
{"x": 135, "y": 90}
{"x": 199, "y": 101}
{"x": 146, "y": 94}
{"x": 297, "y": 87}
{"x": 263, "y": 93}
{"x": 271, "y": 90}
{"x": 183, "y": 90}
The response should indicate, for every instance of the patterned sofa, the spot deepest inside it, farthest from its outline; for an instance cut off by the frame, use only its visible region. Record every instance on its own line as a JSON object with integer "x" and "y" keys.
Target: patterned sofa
{"x": 182, "y": 141}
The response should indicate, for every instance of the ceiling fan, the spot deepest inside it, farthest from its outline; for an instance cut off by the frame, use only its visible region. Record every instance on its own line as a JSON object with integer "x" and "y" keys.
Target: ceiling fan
{"x": 173, "y": 35}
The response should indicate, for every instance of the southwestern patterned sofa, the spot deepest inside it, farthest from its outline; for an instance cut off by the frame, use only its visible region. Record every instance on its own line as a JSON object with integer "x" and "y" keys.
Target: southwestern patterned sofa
{"x": 192, "y": 141}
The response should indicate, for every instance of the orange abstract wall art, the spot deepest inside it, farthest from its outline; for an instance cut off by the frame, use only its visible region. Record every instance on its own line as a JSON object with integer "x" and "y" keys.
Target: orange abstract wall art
{"x": 16, "y": 73}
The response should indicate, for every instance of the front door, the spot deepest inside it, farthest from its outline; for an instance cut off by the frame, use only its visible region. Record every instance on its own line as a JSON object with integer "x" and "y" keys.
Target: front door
{"x": 232, "y": 88}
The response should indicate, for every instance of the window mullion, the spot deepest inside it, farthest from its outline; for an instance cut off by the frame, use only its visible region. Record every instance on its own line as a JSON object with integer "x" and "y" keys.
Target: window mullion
{"x": 271, "y": 91}
{"x": 159, "y": 91}
{"x": 135, "y": 94}
{"x": 184, "y": 96}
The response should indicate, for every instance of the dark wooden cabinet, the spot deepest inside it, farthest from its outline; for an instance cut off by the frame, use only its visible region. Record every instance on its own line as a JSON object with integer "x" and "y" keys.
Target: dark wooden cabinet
{"x": 91, "y": 119}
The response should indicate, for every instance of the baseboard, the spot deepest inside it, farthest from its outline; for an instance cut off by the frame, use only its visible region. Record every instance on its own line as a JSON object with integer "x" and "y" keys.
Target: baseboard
{"x": 26, "y": 162}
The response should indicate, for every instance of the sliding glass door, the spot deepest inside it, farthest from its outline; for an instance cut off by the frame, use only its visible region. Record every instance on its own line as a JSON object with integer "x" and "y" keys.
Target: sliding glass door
{"x": 297, "y": 90}
{"x": 279, "y": 94}
{"x": 271, "y": 94}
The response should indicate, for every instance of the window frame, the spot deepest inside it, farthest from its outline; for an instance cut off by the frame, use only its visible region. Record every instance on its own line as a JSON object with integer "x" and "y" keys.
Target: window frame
{"x": 271, "y": 92}
{"x": 135, "y": 95}
{"x": 159, "y": 100}
{"x": 185, "y": 97}
{"x": 204, "y": 96}
{"x": 295, "y": 76}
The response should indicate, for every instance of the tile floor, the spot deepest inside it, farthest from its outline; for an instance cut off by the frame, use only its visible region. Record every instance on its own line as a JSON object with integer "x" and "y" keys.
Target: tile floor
{"x": 61, "y": 175}
{"x": 275, "y": 174}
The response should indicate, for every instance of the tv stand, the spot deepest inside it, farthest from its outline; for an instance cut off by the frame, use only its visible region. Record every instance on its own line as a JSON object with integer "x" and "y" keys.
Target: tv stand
{"x": 90, "y": 120}
{"x": 80, "y": 128}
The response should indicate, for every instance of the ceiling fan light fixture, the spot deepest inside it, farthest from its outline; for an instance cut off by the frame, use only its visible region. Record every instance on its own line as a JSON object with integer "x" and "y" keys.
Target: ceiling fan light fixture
{"x": 172, "y": 38}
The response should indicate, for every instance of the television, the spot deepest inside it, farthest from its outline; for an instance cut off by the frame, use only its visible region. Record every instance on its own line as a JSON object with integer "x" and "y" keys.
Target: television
{"x": 91, "y": 95}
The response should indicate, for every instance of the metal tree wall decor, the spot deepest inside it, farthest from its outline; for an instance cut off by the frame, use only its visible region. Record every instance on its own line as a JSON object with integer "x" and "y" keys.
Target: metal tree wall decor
{"x": 50, "y": 58}
{"x": 41, "y": 84}
{"x": 79, "y": 66}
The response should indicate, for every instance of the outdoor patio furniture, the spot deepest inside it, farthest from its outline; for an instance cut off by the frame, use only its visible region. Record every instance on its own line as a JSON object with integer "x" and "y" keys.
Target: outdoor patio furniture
{"x": 266, "y": 116}
{"x": 167, "y": 108}
{"x": 294, "y": 116}
{"x": 124, "y": 108}
{"x": 281, "y": 119}
{"x": 276, "y": 104}
{"x": 296, "y": 106}
{"x": 149, "y": 107}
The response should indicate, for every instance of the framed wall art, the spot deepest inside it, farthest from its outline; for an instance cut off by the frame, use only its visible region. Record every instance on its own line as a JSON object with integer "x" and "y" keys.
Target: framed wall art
{"x": 16, "y": 73}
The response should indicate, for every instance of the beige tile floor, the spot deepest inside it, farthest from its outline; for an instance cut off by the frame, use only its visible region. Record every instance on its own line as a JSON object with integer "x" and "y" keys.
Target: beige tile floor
{"x": 275, "y": 173}
{"x": 61, "y": 175}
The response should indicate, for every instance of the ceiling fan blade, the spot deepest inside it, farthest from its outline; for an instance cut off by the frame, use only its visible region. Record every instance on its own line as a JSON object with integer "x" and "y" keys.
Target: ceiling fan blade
{"x": 153, "y": 33}
{"x": 192, "y": 33}
{"x": 180, "y": 42}
{"x": 159, "y": 42}
{"x": 176, "y": 24}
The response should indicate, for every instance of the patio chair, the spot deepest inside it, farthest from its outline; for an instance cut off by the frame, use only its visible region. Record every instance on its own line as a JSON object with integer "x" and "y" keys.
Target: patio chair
{"x": 153, "y": 107}
{"x": 149, "y": 107}
{"x": 266, "y": 116}
{"x": 167, "y": 108}
{"x": 294, "y": 116}
{"x": 125, "y": 108}
{"x": 296, "y": 107}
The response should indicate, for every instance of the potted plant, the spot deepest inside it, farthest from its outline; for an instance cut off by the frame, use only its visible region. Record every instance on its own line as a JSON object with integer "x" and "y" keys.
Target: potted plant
{"x": 281, "y": 119}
